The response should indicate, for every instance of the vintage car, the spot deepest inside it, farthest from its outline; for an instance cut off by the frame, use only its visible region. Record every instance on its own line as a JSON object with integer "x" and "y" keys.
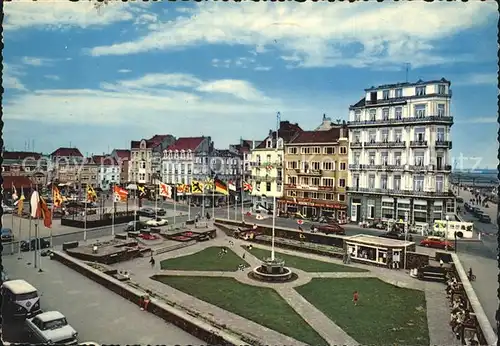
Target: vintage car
{"x": 437, "y": 243}
{"x": 51, "y": 327}
{"x": 41, "y": 243}
{"x": 7, "y": 235}
{"x": 157, "y": 222}
{"x": 328, "y": 228}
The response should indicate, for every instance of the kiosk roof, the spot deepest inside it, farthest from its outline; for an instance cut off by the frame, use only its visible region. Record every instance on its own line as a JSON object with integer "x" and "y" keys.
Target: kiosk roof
{"x": 378, "y": 241}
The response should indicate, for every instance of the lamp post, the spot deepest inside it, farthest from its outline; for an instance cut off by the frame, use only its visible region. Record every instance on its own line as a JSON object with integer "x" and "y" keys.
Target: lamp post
{"x": 406, "y": 238}
{"x": 278, "y": 116}
{"x": 446, "y": 233}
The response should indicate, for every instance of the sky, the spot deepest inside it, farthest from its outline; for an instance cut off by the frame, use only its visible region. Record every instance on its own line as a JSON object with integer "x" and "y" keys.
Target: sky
{"x": 96, "y": 77}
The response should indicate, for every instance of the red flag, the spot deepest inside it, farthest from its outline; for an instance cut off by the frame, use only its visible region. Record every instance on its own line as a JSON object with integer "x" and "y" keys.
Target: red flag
{"x": 165, "y": 190}
{"x": 43, "y": 211}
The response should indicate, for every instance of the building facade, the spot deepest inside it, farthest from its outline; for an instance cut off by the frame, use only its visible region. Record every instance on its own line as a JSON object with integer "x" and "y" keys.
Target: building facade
{"x": 146, "y": 156}
{"x": 108, "y": 171}
{"x": 186, "y": 160}
{"x": 122, "y": 157}
{"x": 25, "y": 164}
{"x": 316, "y": 173}
{"x": 66, "y": 166}
{"x": 399, "y": 153}
{"x": 268, "y": 164}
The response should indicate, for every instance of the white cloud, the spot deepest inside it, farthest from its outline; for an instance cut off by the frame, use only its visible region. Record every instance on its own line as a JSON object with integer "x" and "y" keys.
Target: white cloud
{"x": 50, "y": 14}
{"x": 124, "y": 70}
{"x": 51, "y": 76}
{"x": 11, "y": 78}
{"x": 479, "y": 120}
{"x": 477, "y": 79}
{"x": 319, "y": 34}
{"x": 238, "y": 88}
{"x": 262, "y": 68}
{"x": 34, "y": 61}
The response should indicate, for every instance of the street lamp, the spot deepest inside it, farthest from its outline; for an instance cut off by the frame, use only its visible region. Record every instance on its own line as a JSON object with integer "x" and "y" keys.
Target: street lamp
{"x": 406, "y": 236}
{"x": 446, "y": 233}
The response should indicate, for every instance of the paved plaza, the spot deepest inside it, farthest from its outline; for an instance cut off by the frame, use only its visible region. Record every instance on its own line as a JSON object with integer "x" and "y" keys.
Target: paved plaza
{"x": 140, "y": 272}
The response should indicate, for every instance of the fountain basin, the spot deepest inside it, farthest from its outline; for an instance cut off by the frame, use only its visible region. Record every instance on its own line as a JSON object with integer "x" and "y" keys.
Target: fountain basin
{"x": 273, "y": 270}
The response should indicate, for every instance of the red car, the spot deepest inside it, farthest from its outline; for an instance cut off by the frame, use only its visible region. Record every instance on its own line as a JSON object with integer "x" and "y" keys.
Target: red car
{"x": 437, "y": 243}
{"x": 328, "y": 228}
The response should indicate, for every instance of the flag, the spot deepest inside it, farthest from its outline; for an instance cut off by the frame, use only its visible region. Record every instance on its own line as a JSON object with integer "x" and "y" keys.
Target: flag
{"x": 142, "y": 191}
{"x": 209, "y": 184}
{"x": 20, "y": 205}
{"x": 165, "y": 190}
{"x": 247, "y": 187}
{"x": 34, "y": 203}
{"x": 231, "y": 186}
{"x": 197, "y": 187}
{"x": 39, "y": 209}
{"x": 91, "y": 195}
{"x": 120, "y": 194}
{"x": 56, "y": 196}
{"x": 14, "y": 194}
{"x": 220, "y": 186}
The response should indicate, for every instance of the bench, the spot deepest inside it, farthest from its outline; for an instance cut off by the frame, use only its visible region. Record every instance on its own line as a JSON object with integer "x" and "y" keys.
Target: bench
{"x": 70, "y": 245}
{"x": 433, "y": 276}
{"x": 121, "y": 236}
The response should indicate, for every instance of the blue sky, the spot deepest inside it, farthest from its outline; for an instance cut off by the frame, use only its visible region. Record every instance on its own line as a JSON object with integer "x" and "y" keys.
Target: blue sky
{"x": 97, "y": 78}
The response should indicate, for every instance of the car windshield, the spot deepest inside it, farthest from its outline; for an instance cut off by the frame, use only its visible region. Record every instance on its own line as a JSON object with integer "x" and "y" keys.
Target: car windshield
{"x": 54, "y": 324}
{"x": 26, "y": 296}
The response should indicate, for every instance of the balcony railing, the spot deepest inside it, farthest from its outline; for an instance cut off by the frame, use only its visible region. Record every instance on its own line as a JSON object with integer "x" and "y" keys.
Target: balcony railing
{"x": 383, "y": 167}
{"x": 263, "y": 178}
{"x": 267, "y": 163}
{"x": 402, "y": 121}
{"x": 418, "y": 144}
{"x": 385, "y": 144}
{"x": 356, "y": 144}
{"x": 310, "y": 172}
{"x": 309, "y": 187}
{"x": 443, "y": 144}
{"x": 401, "y": 192}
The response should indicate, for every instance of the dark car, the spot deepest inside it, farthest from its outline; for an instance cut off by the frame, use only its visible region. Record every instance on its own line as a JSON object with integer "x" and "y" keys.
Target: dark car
{"x": 393, "y": 235}
{"x": 460, "y": 200}
{"x": 7, "y": 235}
{"x": 484, "y": 218}
{"x": 135, "y": 225}
{"x": 33, "y": 244}
{"x": 161, "y": 212}
{"x": 328, "y": 229}
{"x": 467, "y": 206}
{"x": 148, "y": 212}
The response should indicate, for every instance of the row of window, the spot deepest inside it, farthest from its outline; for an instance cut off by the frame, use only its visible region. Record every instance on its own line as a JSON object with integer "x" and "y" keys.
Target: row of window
{"x": 384, "y": 135}
{"x": 394, "y": 182}
{"x": 316, "y": 165}
{"x": 316, "y": 195}
{"x": 419, "y": 111}
{"x": 397, "y": 158}
{"x": 419, "y": 91}
{"x": 316, "y": 150}
{"x": 316, "y": 182}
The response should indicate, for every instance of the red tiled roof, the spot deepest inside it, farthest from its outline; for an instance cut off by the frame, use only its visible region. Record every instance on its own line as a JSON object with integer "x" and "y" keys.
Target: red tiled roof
{"x": 306, "y": 137}
{"x": 187, "y": 143}
{"x": 65, "y": 152}
{"x": 150, "y": 143}
{"x": 20, "y": 155}
{"x": 123, "y": 154}
{"x": 287, "y": 131}
{"x": 105, "y": 160}
{"x": 18, "y": 181}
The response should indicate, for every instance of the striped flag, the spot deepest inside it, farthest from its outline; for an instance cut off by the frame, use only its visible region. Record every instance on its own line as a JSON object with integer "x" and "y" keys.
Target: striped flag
{"x": 231, "y": 185}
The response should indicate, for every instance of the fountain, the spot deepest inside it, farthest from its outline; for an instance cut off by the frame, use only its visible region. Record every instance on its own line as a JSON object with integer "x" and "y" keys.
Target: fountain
{"x": 273, "y": 269}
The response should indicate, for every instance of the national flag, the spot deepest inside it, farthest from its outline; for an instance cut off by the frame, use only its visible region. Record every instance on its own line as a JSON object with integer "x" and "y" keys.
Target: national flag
{"x": 142, "y": 191}
{"x": 197, "y": 187}
{"x": 39, "y": 209}
{"x": 220, "y": 186}
{"x": 231, "y": 185}
{"x": 20, "y": 205}
{"x": 209, "y": 184}
{"x": 34, "y": 203}
{"x": 91, "y": 194}
{"x": 120, "y": 194}
{"x": 57, "y": 197}
{"x": 14, "y": 194}
{"x": 165, "y": 190}
{"x": 247, "y": 187}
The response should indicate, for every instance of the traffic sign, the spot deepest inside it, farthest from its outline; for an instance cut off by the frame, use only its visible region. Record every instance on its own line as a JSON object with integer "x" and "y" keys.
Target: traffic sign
{"x": 300, "y": 222}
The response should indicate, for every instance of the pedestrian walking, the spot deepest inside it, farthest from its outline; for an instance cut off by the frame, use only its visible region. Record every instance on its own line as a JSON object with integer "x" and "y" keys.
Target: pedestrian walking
{"x": 152, "y": 261}
{"x": 243, "y": 255}
{"x": 355, "y": 298}
{"x": 146, "y": 303}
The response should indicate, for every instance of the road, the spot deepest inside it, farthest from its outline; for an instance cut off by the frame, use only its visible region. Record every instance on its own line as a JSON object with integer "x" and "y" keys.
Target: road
{"x": 97, "y": 314}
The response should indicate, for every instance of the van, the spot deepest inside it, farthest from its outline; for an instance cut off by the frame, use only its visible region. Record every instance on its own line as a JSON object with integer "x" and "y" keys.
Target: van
{"x": 20, "y": 300}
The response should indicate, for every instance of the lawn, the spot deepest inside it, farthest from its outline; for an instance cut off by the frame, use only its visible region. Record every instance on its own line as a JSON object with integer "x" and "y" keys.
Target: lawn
{"x": 205, "y": 260}
{"x": 305, "y": 264}
{"x": 385, "y": 315}
{"x": 261, "y": 305}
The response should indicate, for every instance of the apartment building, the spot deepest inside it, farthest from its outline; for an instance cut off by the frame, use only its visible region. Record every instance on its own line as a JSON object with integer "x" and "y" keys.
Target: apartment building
{"x": 25, "y": 164}
{"x": 316, "y": 172}
{"x": 66, "y": 166}
{"x": 244, "y": 149}
{"x": 108, "y": 171}
{"x": 399, "y": 153}
{"x": 267, "y": 164}
{"x": 122, "y": 156}
{"x": 146, "y": 156}
{"x": 227, "y": 165}
{"x": 186, "y": 159}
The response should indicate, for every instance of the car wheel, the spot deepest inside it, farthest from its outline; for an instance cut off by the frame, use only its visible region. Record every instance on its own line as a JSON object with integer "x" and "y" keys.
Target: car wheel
{"x": 426, "y": 245}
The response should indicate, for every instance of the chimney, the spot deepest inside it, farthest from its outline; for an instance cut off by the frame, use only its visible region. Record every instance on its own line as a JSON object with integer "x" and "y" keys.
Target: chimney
{"x": 270, "y": 132}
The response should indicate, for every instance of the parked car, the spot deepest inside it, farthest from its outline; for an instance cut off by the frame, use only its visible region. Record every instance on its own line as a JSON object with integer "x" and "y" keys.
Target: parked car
{"x": 460, "y": 200}
{"x": 436, "y": 242}
{"x": 135, "y": 225}
{"x": 148, "y": 212}
{"x": 4, "y": 277}
{"x": 51, "y": 327}
{"x": 484, "y": 218}
{"x": 467, "y": 206}
{"x": 161, "y": 212}
{"x": 393, "y": 235}
{"x": 157, "y": 222}
{"x": 7, "y": 235}
{"x": 328, "y": 229}
{"x": 33, "y": 244}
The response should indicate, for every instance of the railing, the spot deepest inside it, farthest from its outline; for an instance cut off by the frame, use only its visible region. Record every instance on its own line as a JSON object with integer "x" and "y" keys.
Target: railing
{"x": 310, "y": 172}
{"x": 401, "y": 192}
{"x": 421, "y": 143}
{"x": 267, "y": 163}
{"x": 443, "y": 144}
{"x": 356, "y": 144}
{"x": 385, "y": 144}
{"x": 309, "y": 187}
{"x": 425, "y": 119}
{"x": 263, "y": 178}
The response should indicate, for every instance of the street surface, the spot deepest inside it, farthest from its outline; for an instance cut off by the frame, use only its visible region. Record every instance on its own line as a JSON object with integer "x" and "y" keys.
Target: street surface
{"x": 97, "y": 314}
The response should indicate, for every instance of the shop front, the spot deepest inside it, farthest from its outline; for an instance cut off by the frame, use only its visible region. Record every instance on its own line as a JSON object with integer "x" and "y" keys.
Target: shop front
{"x": 378, "y": 251}
{"x": 313, "y": 208}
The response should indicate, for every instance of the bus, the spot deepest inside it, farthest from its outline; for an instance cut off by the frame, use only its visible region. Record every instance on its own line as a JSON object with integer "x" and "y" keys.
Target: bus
{"x": 439, "y": 229}
{"x": 20, "y": 300}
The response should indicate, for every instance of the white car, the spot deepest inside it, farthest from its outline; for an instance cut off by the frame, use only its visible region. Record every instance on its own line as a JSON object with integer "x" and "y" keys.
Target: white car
{"x": 51, "y": 327}
{"x": 157, "y": 222}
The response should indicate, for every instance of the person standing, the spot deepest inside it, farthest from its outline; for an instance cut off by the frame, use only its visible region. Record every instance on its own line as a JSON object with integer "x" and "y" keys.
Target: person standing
{"x": 152, "y": 261}
{"x": 355, "y": 298}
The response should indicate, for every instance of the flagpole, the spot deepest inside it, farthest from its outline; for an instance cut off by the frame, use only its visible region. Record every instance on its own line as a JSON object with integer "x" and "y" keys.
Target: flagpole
{"x": 12, "y": 227}
{"x": 213, "y": 198}
{"x": 31, "y": 218}
{"x": 175, "y": 204}
{"x": 241, "y": 196}
{"x": 189, "y": 206}
{"x": 20, "y": 213}
{"x": 227, "y": 201}
{"x": 52, "y": 214}
{"x": 135, "y": 208}
{"x": 85, "y": 214}
{"x": 156, "y": 201}
{"x": 113, "y": 213}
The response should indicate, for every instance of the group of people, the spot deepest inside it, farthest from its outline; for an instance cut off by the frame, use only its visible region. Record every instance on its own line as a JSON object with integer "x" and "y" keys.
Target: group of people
{"x": 460, "y": 315}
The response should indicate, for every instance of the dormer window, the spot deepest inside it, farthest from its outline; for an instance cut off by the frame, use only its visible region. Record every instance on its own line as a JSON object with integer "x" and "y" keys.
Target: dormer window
{"x": 280, "y": 143}
{"x": 441, "y": 89}
{"x": 420, "y": 91}
{"x": 269, "y": 143}
{"x": 176, "y": 154}
{"x": 398, "y": 93}
{"x": 143, "y": 144}
{"x": 385, "y": 94}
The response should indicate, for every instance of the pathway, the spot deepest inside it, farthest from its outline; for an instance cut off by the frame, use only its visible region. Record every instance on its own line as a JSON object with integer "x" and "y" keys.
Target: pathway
{"x": 439, "y": 332}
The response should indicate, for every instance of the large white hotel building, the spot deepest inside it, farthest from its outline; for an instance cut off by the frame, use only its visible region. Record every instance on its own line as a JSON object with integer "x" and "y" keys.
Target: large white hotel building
{"x": 399, "y": 153}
